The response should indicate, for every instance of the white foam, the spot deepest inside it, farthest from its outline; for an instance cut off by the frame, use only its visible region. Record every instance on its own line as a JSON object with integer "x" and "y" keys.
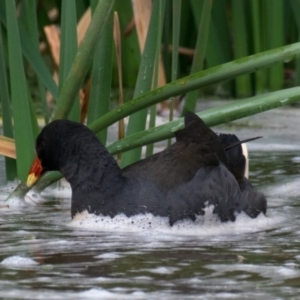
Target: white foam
{"x": 93, "y": 293}
{"x": 110, "y": 255}
{"x": 18, "y": 261}
{"x": 34, "y": 198}
{"x": 207, "y": 225}
{"x": 162, "y": 270}
{"x": 13, "y": 202}
{"x": 296, "y": 159}
{"x": 61, "y": 189}
{"x": 98, "y": 293}
{"x": 267, "y": 271}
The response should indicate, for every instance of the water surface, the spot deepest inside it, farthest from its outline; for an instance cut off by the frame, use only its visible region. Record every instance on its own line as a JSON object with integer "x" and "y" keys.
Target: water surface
{"x": 44, "y": 256}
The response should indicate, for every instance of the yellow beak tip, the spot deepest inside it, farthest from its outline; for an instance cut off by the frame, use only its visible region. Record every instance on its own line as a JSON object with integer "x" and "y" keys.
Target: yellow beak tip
{"x": 31, "y": 180}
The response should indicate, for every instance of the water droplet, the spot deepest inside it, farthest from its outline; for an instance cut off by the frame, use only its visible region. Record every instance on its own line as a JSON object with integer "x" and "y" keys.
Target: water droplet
{"x": 119, "y": 147}
{"x": 183, "y": 82}
{"x": 119, "y": 110}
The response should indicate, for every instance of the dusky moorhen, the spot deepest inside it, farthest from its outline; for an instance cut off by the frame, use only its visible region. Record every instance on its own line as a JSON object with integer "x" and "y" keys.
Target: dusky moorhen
{"x": 178, "y": 182}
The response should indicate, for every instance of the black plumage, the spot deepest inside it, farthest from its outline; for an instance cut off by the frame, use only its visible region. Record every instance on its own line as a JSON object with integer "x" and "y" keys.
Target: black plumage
{"x": 177, "y": 183}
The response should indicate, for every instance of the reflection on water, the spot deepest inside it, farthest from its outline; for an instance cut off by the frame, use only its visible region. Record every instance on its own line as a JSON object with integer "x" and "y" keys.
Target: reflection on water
{"x": 45, "y": 257}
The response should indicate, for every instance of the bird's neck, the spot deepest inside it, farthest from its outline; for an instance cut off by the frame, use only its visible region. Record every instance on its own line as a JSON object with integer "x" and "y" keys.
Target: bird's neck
{"x": 93, "y": 166}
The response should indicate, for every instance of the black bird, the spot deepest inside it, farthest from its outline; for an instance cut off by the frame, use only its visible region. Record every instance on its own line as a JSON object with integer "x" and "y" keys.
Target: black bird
{"x": 254, "y": 202}
{"x": 178, "y": 182}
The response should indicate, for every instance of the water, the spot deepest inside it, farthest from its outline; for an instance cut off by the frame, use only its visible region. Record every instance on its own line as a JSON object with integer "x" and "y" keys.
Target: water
{"x": 44, "y": 256}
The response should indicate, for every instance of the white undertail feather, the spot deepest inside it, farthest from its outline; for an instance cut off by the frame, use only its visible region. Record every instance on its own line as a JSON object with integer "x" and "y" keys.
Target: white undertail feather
{"x": 245, "y": 152}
